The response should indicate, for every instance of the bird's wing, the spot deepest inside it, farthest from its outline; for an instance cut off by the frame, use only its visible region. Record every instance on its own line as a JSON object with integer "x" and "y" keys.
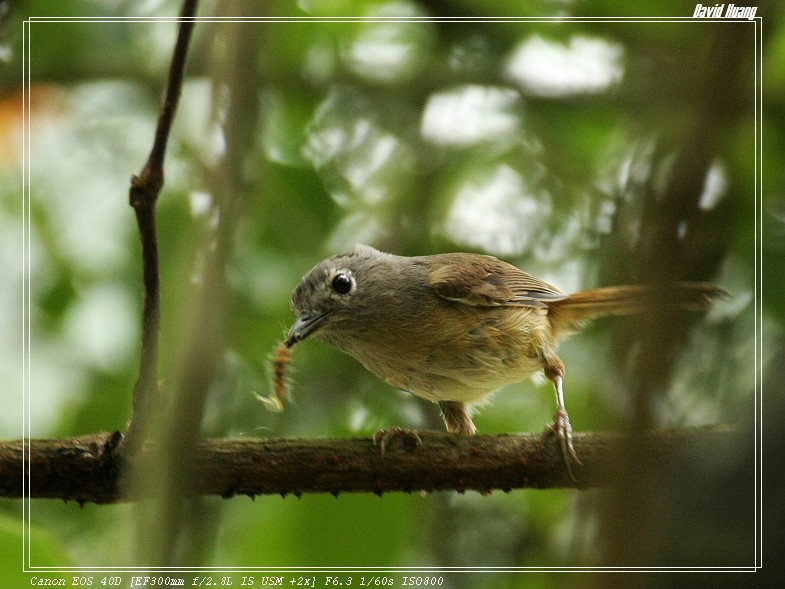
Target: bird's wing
{"x": 485, "y": 281}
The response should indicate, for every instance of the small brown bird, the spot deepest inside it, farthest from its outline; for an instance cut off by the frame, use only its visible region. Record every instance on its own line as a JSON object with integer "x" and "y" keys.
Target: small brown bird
{"x": 453, "y": 328}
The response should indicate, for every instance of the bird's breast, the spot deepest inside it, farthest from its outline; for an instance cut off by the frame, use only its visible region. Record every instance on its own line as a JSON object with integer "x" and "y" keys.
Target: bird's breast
{"x": 461, "y": 356}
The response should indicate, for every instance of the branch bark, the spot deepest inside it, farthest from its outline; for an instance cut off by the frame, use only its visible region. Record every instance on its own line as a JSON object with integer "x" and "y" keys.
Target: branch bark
{"x": 89, "y": 469}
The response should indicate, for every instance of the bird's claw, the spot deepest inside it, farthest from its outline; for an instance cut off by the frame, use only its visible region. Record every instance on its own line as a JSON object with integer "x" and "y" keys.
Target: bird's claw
{"x": 563, "y": 430}
{"x": 384, "y": 436}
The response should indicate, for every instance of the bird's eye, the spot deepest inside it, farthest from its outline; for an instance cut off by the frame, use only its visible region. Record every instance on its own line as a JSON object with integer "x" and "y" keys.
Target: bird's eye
{"x": 342, "y": 283}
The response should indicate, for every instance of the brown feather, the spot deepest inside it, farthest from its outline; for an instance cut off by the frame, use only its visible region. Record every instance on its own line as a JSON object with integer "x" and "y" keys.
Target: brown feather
{"x": 485, "y": 281}
{"x": 568, "y": 313}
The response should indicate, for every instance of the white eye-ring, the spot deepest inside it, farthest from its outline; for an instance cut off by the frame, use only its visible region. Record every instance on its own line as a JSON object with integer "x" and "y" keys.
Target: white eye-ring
{"x": 342, "y": 282}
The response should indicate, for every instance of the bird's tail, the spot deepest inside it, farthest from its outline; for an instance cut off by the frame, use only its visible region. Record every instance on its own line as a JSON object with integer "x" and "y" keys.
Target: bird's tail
{"x": 582, "y": 306}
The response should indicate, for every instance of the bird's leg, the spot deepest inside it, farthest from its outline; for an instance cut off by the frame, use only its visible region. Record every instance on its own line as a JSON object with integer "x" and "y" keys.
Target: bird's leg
{"x": 457, "y": 418}
{"x": 561, "y": 420}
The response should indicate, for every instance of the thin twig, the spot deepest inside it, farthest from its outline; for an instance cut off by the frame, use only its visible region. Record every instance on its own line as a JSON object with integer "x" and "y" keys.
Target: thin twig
{"x": 145, "y": 188}
{"x": 168, "y": 529}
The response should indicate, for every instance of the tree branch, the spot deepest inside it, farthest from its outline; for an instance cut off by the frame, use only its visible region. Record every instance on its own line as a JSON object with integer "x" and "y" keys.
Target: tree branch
{"x": 143, "y": 195}
{"x": 88, "y": 469}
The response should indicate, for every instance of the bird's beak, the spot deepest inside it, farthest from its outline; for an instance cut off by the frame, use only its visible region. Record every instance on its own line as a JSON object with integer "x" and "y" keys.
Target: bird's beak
{"x": 303, "y": 327}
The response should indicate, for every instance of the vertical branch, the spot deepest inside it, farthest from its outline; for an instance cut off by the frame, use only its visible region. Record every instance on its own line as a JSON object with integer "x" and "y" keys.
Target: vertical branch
{"x": 143, "y": 195}
{"x": 184, "y": 526}
{"x": 673, "y": 244}
{"x": 175, "y": 526}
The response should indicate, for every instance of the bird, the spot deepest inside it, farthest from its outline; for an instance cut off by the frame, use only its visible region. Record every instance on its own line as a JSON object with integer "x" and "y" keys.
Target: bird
{"x": 453, "y": 328}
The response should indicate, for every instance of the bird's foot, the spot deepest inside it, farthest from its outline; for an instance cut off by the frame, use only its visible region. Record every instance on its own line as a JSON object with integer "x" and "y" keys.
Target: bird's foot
{"x": 563, "y": 430}
{"x": 383, "y": 437}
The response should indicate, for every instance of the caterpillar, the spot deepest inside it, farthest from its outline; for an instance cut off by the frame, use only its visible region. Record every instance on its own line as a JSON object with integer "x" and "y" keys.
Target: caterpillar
{"x": 279, "y": 395}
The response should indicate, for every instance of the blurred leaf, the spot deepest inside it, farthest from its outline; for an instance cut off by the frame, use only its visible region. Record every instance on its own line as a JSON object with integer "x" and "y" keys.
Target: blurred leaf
{"x": 41, "y": 548}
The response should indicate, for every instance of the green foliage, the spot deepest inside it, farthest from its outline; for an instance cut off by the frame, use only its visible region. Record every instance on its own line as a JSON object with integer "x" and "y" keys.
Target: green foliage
{"x": 43, "y": 550}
